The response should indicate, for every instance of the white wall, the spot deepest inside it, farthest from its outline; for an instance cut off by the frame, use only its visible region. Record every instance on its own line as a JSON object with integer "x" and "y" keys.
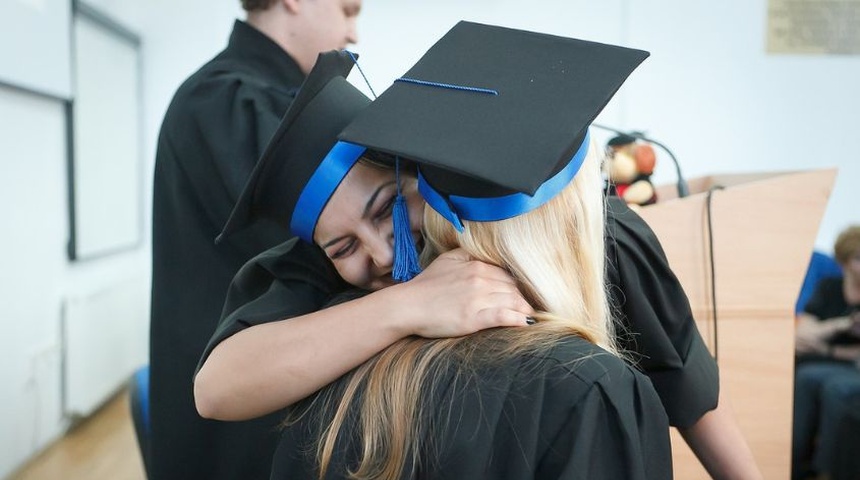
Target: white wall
{"x": 32, "y": 264}
{"x": 708, "y": 91}
{"x": 37, "y": 282}
{"x": 723, "y": 105}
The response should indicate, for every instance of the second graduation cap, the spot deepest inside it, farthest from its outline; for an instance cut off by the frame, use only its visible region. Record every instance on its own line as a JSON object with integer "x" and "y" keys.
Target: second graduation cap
{"x": 304, "y": 163}
{"x": 496, "y": 118}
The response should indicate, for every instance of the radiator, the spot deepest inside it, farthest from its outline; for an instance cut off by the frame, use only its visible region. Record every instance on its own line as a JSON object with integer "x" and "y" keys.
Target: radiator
{"x": 105, "y": 338}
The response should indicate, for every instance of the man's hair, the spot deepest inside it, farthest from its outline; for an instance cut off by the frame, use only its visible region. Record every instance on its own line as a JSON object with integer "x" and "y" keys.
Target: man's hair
{"x": 847, "y": 244}
{"x": 251, "y": 5}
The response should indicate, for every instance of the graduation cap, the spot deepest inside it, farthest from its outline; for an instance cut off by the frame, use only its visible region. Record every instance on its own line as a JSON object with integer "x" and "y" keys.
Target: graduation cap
{"x": 304, "y": 162}
{"x": 496, "y": 118}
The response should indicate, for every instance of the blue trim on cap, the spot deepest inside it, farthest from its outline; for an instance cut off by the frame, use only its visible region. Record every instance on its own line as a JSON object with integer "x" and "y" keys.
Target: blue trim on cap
{"x": 321, "y": 186}
{"x": 438, "y": 203}
{"x": 456, "y": 208}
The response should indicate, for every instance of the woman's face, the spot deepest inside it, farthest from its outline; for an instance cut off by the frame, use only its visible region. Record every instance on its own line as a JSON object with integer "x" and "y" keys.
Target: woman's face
{"x": 355, "y": 228}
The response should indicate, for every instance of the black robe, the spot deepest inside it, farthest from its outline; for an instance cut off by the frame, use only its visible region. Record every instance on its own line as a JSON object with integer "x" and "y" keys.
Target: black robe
{"x": 658, "y": 324}
{"x": 575, "y": 412}
{"x": 646, "y": 297}
{"x": 288, "y": 281}
{"x": 212, "y": 135}
{"x": 828, "y": 302}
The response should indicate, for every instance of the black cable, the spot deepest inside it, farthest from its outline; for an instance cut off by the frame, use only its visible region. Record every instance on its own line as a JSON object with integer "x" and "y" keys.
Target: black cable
{"x": 683, "y": 190}
{"x": 713, "y": 268}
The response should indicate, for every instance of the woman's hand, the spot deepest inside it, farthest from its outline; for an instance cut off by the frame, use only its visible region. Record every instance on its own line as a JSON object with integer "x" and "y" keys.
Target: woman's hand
{"x": 456, "y": 296}
{"x": 269, "y": 366}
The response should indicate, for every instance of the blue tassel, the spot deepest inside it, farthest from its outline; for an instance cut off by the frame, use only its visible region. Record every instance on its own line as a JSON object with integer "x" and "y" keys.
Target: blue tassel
{"x": 406, "y": 263}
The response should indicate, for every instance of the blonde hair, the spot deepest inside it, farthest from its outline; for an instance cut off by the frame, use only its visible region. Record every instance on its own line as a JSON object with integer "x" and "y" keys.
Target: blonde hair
{"x": 555, "y": 253}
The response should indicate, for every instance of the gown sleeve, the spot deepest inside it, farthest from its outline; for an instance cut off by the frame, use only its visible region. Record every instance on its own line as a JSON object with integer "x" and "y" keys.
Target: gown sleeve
{"x": 657, "y": 323}
{"x": 216, "y": 137}
{"x": 286, "y": 281}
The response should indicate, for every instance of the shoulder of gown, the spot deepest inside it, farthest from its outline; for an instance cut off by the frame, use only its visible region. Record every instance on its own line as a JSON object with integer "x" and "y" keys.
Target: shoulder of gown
{"x": 657, "y": 324}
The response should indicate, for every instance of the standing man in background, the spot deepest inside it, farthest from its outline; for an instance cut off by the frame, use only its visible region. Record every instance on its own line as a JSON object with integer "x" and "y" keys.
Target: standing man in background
{"x": 215, "y": 129}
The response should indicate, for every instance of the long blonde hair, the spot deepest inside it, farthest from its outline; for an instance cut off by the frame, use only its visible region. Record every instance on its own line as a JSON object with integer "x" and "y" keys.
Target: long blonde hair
{"x": 555, "y": 253}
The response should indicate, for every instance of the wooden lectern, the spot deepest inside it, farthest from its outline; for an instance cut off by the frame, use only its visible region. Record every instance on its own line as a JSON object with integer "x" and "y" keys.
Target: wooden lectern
{"x": 763, "y": 228}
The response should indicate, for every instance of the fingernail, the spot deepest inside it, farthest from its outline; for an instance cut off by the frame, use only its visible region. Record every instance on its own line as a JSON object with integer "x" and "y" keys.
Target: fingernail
{"x": 531, "y": 320}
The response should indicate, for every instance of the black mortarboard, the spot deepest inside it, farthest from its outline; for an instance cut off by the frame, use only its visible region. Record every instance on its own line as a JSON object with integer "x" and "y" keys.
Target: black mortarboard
{"x": 491, "y": 115}
{"x": 304, "y": 163}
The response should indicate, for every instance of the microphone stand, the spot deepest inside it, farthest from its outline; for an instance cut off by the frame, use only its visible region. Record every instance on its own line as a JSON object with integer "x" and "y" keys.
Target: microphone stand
{"x": 683, "y": 190}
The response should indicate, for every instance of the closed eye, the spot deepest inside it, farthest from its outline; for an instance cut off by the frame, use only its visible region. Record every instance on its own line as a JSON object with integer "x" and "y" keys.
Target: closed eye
{"x": 386, "y": 209}
{"x": 368, "y": 213}
{"x": 343, "y": 251}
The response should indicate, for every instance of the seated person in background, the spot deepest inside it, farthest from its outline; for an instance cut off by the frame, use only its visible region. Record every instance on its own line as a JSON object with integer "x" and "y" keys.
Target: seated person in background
{"x": 552, "y": 400}
{"x": 827, "y": 352}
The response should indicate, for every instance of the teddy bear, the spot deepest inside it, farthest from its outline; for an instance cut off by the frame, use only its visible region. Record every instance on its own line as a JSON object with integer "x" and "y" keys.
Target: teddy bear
{"x": 628, "y": 167}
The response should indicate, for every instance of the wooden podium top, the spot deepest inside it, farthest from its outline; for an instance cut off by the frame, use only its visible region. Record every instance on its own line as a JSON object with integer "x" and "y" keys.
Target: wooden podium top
{"x": 763, "y": 227}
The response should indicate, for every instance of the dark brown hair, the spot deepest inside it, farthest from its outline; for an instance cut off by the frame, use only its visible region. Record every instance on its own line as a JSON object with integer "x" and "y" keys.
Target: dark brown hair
{"x": 847, "y": 244}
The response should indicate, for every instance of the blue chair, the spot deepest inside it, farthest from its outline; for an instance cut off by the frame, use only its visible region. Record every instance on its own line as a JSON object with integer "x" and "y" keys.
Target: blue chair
{"x": 821, "y": 266}
{"x": 139, "y": 400}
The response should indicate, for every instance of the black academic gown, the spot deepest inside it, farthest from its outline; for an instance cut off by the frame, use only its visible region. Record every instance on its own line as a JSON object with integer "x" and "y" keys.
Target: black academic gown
{"x": 656, "y": 320}
{"x": 657, "y": 323}
{"x": 215, "y": 129}
{"x": 576, "y": 412}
